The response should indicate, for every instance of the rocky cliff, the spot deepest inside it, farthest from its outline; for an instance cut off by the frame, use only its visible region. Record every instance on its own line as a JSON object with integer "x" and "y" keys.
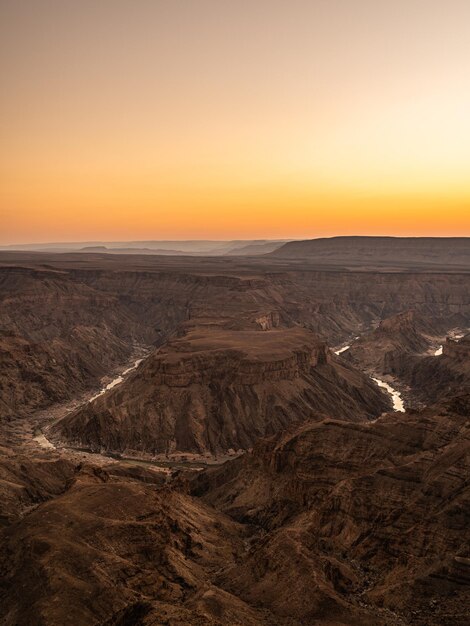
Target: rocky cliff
{"x": 117, "y": 551}
{"x": 404, "y": 346}
{"x": 330, "y": 522}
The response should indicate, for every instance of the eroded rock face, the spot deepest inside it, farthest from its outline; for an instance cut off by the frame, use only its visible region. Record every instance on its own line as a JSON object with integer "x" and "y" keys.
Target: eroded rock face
{"x": 395, "y": 341}
{"x": 213, "y": 389}
{"x": 330, "y": 522}
{"x": 381, "y": 512}
{"x": 38, "y": 374}
{"x": 26, "y": 482}
{"x": 58, "y": 337}
{"x": 115, "y": 550}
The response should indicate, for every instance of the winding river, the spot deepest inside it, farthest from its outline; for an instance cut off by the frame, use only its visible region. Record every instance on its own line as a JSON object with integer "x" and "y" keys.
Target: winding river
{"x": 395, "y": 395}
{"x": 117, "y": 381}
{"x": 397, "y": 400}
{"x": 44, "y": 442}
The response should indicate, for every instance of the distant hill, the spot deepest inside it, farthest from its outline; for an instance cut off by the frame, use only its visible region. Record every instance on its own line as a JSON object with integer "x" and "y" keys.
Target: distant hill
{"x": 172, "y": 248}
{"x": 255, "y": 249}
{"x": 381, "y": 251}
{"x": 156, "y": 251}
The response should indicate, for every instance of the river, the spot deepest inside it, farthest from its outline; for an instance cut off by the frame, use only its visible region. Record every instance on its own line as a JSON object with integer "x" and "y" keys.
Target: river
{"x": 395, "y": 395}
{"x": 41, "y": 438}
{"x": 341, "y": 350}
{"x": 116, "y": 381}
{"x": 397, "y": 400}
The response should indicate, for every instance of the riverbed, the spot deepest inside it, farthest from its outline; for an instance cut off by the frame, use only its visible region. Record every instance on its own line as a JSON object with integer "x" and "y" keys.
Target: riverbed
{"x": 116, "y": 381}
{"x": 397, "y": 400}
{"x": 395, "y": 395}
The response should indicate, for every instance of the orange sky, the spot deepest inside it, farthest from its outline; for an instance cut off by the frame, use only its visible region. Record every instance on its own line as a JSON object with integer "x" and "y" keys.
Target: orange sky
{"x": 153, "y": 119}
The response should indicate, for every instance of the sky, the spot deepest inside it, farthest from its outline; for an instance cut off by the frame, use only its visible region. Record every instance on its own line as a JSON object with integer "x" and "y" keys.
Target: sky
{"x": 221, "y": 119}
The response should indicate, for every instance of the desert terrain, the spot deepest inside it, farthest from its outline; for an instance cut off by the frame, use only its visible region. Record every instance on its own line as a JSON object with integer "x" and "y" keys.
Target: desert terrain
{"x": 269, "y": 437}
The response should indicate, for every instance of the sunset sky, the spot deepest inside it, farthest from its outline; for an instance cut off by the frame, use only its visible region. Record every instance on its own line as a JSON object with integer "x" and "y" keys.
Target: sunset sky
{"x": 178, "y": 119}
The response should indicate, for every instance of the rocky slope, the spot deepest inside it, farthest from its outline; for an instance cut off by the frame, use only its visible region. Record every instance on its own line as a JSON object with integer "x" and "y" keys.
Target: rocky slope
{"x": 61, "y": 331}
{"x": 58, "y": 337}
{"x": 378, "y": 512}
{"x": 112, "y": 550}
{"x": 67, "y": 320}
{"x": 213, "y": 389}
{"x": 329, "y": 523}
{"x": 116, "y": 551}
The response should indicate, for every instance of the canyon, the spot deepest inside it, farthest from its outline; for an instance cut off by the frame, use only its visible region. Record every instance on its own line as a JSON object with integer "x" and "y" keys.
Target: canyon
{"x": 202, "y": 440}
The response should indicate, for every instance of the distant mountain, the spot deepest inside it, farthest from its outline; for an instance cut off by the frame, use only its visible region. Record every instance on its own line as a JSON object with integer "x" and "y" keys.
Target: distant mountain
{"x": 255, "y": 249}
{"x": 381, "y": 251}
{"x": 176, "y": 248}
{"x": 197, "y": 245}
{"x": 158, "y": 251}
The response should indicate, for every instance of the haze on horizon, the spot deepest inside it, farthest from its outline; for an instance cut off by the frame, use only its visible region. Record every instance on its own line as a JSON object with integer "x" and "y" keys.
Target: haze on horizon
{"x": 135, "y": 120}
